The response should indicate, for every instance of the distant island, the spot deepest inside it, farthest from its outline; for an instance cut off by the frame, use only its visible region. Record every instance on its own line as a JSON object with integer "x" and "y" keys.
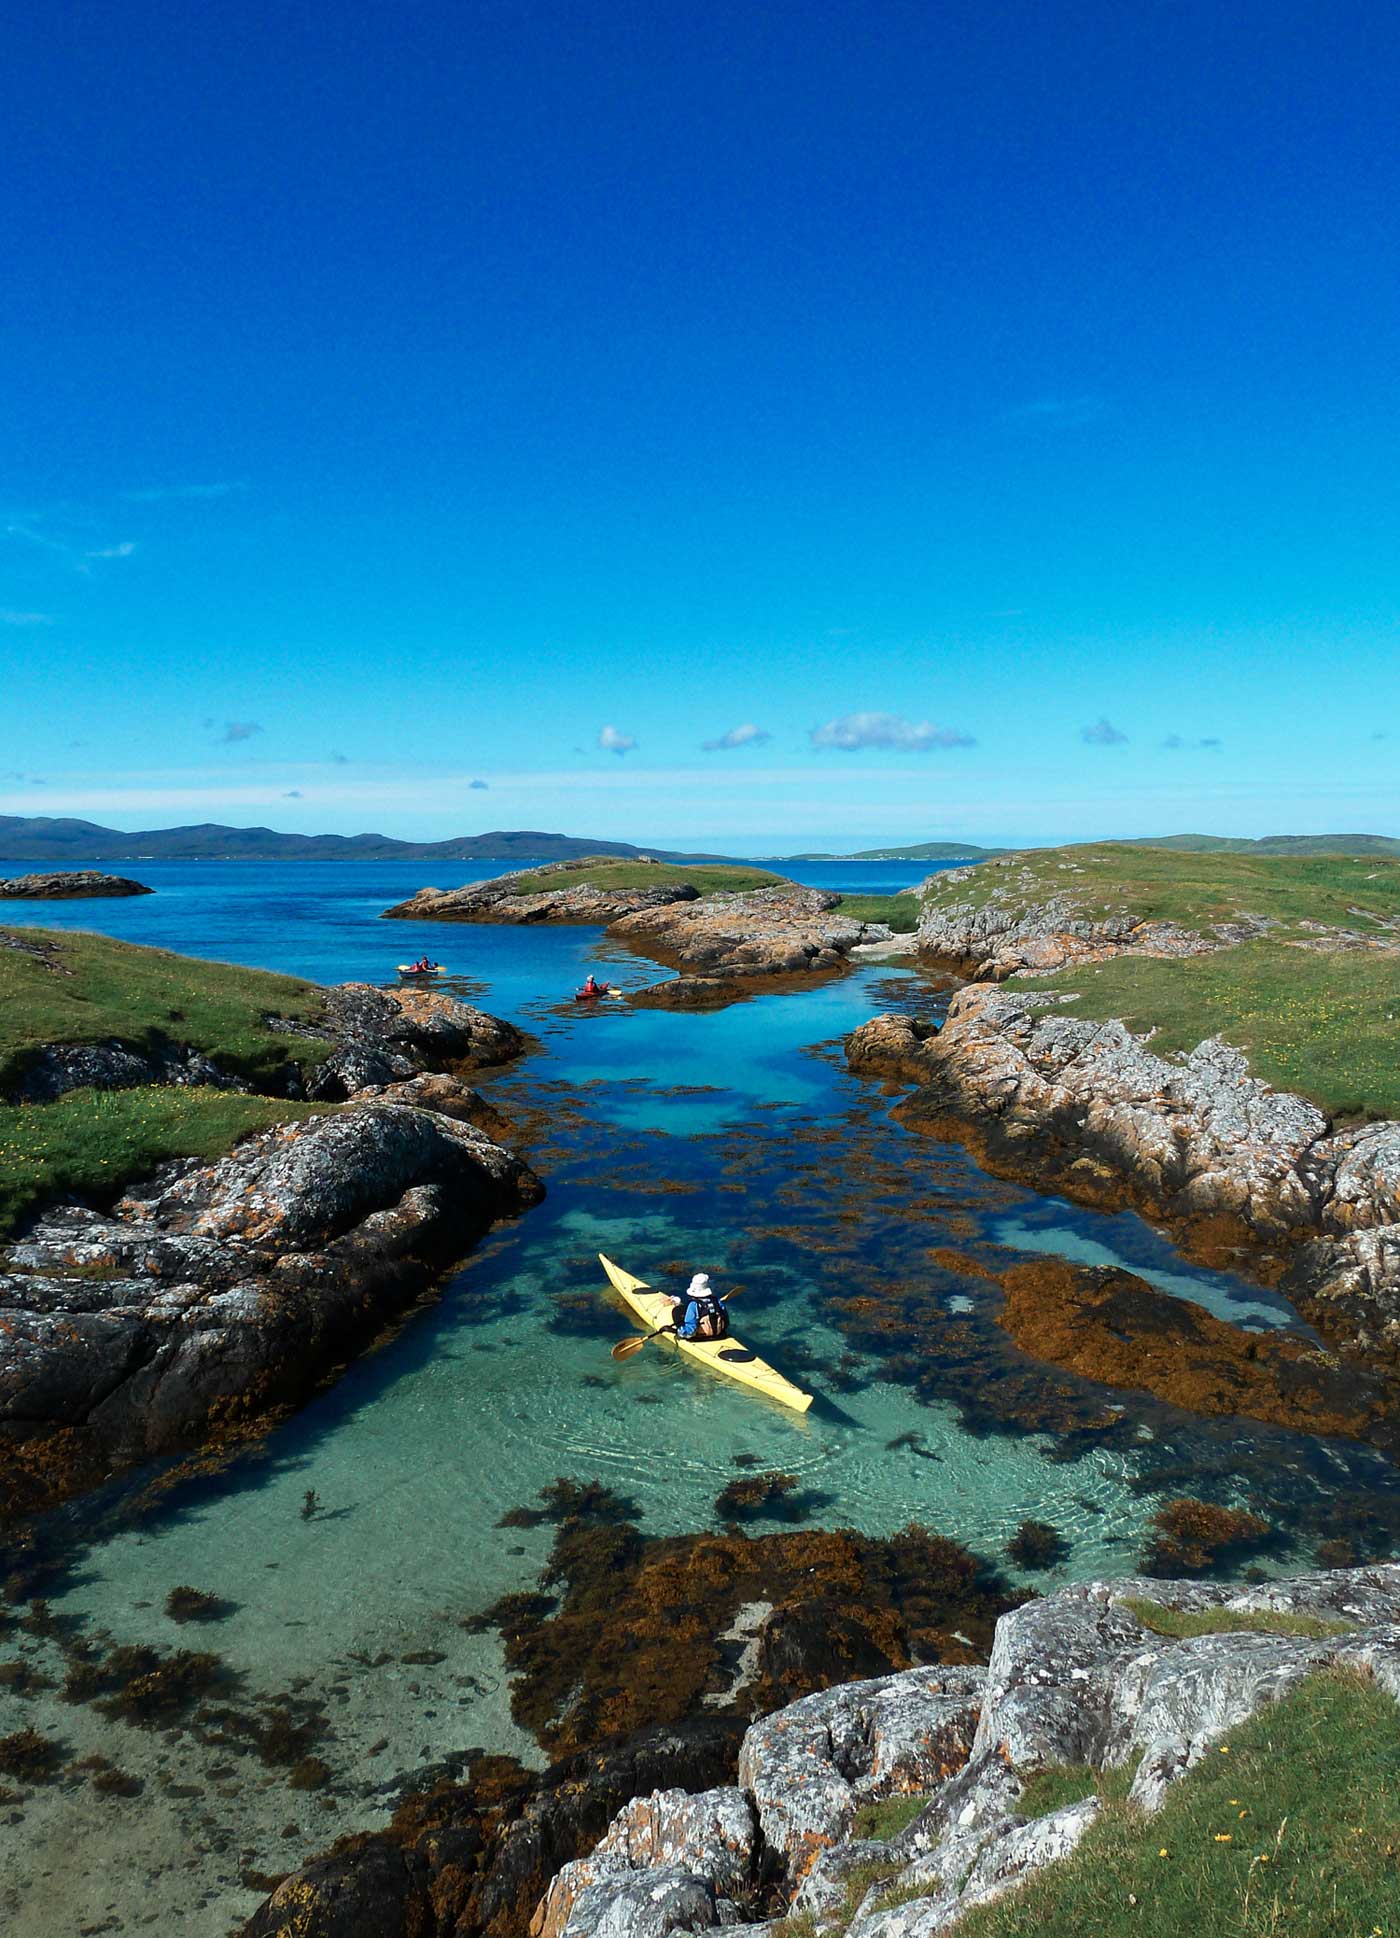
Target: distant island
{"x": 911, "y": 851}
{"x": 1186, "y": 844}
{"x": 39, "y": 838}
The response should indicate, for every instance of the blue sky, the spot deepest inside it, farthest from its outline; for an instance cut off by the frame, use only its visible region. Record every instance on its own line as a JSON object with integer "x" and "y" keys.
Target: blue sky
{"x": 440, "y": 418}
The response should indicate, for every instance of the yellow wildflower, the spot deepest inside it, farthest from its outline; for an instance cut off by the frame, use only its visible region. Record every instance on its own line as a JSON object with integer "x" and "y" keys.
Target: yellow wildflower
{"x": 1224, "y": 1837}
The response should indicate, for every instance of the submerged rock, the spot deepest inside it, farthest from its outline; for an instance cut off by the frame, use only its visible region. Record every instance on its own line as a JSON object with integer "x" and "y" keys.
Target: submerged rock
{"x": 73, "y": 885}
{"x": 217, "y": 1292}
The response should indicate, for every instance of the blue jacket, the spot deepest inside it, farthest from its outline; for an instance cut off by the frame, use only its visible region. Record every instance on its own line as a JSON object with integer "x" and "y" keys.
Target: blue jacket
{"x": 689, "y": 1324}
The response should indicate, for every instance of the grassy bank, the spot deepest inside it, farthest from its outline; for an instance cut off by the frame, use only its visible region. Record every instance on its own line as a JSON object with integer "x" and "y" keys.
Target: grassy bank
{"x": 900, "y": 912}
{"x": 1360, "y": 893}
{"x": 91, "y": 1141}
{"x": 709, "y": 878}
{"x": 80, "y": 988}
{"x": 1324, "y": 1023}
{"x": 1286, "y": 1829}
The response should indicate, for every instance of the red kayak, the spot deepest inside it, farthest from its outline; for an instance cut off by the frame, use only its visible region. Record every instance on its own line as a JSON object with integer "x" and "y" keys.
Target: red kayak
{"x": 592, "y": 995}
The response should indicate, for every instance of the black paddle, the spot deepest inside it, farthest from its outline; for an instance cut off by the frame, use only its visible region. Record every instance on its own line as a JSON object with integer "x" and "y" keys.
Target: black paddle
{"x": 625, "y": 1348}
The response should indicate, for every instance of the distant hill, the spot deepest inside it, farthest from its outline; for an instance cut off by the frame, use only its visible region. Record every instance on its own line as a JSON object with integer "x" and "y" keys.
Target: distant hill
{"x": 38, "y": 838}
{"x": 1275, "y": 844}
{"x": 912, "y": 851}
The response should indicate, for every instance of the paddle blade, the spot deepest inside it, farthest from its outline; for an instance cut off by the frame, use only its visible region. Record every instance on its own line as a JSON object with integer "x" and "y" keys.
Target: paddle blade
{"x": 625, "y": 1348}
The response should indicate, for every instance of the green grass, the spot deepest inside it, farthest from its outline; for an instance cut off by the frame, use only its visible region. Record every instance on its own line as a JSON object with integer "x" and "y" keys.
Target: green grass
{"x": 86, "y": 988}
{"x": 708, "y": 877}
{"x": 1290, "y": 1828}
{"x": 92, "y": 1142}
{"x": 1197, "y": 890}
{"x": 885, "y": 1819}
{"x": 901, "y": 911}
{"x": 1182, "y": 1622}
{"x": 1326, "y": 1025}
{"x": 1064, "y": 1783}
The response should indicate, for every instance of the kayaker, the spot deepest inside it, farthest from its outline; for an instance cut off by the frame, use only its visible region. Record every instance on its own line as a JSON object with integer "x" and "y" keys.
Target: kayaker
{"x": 699, "y": 1312}
{"x": 590, "y": 988}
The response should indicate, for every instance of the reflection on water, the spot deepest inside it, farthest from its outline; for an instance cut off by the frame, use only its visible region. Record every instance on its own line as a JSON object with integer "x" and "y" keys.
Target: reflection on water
{"x": 670, "y": 1141}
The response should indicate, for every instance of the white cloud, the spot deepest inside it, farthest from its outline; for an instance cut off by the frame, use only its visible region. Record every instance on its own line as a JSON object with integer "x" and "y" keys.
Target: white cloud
{"x": 746, "y": 736}
{"x": 614, "y": 742}
{"x": 122, "y": 551}
{"x": 856, "y": 730}
{"x": 1103, "y": 733}
{"x": 9, "y": 618}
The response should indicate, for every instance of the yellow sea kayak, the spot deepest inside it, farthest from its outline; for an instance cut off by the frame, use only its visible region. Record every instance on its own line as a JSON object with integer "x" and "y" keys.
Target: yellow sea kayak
{"x": 728, "y": 1356}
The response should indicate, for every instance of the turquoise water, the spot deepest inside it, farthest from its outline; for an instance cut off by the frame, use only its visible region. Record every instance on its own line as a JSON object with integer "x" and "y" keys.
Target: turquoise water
{"x": 736, "y": 1141}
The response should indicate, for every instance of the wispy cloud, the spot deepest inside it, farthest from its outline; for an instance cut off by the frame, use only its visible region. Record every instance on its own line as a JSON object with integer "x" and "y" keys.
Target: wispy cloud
{"x": 1103, "y": 733}
{"x": 479, "y": 787}
{"x": 341, "y": 760}
{"x": 25, "y": 780}
{"x": 80, "y": 557}
{"x": 175, "y": 494}
{"x": 746, "y": 736}
{"x": 1175, "y": 742}
{"x": 858, "y": 730}
{"x": 240, "y": 730}
{"x": 293, "y": 794}
{"x": 11, "y": 618}
{"x": 613, "y": 742}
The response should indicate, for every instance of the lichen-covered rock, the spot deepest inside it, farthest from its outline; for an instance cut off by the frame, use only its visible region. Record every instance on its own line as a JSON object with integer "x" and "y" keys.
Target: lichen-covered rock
{"x": 224, "y": 1289}
{"x": 71, "y": 885}
{"x": 55, "y": 1068}
{"x": 544, "y": 894}
{"x": 769, "y": 932}
{"x": 812, "y": 1764}
{"x": 711, "y": 1838}
{"x": 1089, "y": 1109}
{"x": 995, "y": 939}
{"x": 389, "y": 1035}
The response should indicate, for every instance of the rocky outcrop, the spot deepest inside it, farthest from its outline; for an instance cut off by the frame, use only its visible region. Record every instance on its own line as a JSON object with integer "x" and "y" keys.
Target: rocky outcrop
{"x": 1087, "y": 1108}
{"x": 771, "y": 932}
{"x": 391, "y": 1035}
{"x": 540, "y": 895}
{"x": 1078, "y": 1680}
{"x": 219, "y": 1291}
{"x": 989, "y": 940}
{"x": 476, "y": 1856}
{"x": 76, "y": 885}
{"x": 373, "y": 1036}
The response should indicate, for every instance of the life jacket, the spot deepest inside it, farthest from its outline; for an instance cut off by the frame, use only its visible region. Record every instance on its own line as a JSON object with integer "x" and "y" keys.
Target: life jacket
{"x": 705, "y": 1318}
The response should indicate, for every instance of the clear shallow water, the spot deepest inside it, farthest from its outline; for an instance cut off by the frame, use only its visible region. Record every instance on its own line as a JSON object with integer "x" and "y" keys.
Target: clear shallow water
{"x": 730, "y": 1140}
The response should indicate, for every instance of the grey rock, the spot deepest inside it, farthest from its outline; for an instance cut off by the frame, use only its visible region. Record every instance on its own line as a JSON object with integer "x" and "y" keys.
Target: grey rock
{"x": 647, "y": 1904}
{"x": 230, "y": 1286}
{"x": 713, "y": 1836}
{"x": 56, "y": 1068}
{"x": 515, "y": 898}
{"x": 69, "y": 885}
{"x": 1084, "y": 1106}
{"x": 811, "y": 1765}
